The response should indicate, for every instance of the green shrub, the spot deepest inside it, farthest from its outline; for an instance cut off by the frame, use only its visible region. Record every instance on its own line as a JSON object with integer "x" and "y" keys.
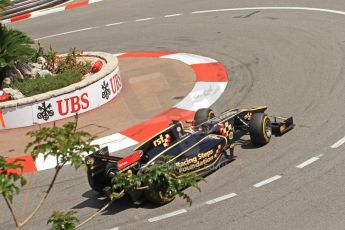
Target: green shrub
{"x": 30, "y": 87}
{"x": 15, "y": 46}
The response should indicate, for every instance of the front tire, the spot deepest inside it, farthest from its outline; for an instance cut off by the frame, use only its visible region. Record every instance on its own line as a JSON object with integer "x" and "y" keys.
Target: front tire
{"x": 202, "y": 115}
{"x": 260, "y": 130}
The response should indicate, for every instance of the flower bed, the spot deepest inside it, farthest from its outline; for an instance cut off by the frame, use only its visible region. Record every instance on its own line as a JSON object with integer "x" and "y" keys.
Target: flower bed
{"x": 47, "y": 72}
{"x": 31, "y": 87}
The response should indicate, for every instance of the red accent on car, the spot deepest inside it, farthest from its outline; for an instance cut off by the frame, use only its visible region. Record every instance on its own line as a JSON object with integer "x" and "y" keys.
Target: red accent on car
{"x": 168, "y": 140}
{"x": 220, "y": 127}
{"x": 97, "y": 66}
{"x": 131, "y": 159}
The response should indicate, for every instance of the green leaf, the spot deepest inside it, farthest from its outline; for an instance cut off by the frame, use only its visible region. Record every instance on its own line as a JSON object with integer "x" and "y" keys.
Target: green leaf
{"x": 15, "y": 46}
{"x": 63, "y": 220}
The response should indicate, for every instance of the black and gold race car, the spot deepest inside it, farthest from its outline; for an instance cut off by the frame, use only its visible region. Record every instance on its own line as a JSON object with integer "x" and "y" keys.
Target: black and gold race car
{"x": 200, "y": 146}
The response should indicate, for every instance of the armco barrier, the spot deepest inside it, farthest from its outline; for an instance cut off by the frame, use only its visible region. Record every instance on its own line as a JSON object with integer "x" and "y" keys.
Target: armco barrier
{"x": 42, "y": 12}
{"x": 88, "y": 94}
{"x": 23, "y": 7}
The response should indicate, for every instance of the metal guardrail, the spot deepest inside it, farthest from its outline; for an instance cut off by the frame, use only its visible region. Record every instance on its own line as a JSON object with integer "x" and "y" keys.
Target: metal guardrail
{"x": 25, "y": 6}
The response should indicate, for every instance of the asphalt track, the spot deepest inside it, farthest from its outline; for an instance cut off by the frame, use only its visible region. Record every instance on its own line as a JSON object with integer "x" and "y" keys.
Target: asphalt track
{"x": 290, "y": 60}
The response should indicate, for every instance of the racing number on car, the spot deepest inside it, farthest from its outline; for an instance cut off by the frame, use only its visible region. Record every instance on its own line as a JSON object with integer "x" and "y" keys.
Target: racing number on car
{"x": 227, "y": 130}
{"x": 162, "y": 140}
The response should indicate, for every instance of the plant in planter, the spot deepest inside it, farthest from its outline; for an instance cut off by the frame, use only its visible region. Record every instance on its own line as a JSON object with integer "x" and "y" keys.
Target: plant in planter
{"x": 15, "y": 46}
{"x": 62, "y": 71}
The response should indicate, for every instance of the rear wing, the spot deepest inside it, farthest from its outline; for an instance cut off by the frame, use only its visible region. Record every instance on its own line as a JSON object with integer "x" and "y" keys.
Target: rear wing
{"x": 281, "y": 125}
{"x": 98, "y": 161}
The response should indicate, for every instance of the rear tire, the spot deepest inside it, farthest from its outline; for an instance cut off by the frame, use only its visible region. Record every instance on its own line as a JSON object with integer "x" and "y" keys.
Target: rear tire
{"x": 157, "y": 198}
{"x": 96, "y": 182}
{"x": 260, "y": 130}
{"x": 203, "y": 115}
{"x": 101, "y": 180}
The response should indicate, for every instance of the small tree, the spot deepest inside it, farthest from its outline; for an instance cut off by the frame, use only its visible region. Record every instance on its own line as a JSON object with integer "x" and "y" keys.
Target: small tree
{"x": 65, "y": 143}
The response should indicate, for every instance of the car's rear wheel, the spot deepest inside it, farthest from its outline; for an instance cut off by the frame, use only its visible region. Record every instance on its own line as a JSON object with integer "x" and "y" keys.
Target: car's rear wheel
{"x": 97, "y": 182}
{"x": 157, "y": 197}
{"x": 102, "y": 179}
{"x": 203, "y": 115}
{"x": 260, "y": 130}
{"x": 157, "y": 191}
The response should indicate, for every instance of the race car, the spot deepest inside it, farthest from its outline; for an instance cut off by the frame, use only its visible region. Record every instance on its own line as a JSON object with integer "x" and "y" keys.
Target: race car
{"x": 201, "y": 146}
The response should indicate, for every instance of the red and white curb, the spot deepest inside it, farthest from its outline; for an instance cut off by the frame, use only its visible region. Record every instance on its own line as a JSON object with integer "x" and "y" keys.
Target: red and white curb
{"x": 211, "y": 81}
{"x": 40, "y": 13}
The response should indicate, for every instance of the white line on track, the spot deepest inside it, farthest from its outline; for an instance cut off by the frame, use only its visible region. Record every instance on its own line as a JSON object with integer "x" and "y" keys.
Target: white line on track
{"x": 116, "y": 228}
{"x": 114, "y": 24}
{"x": 221, "y": 198}
{"x": 267, "y": 181}
{"x": 338, "y": 143}
{"x": 215, "y": 10}
{"x": 143, "y": 19}
{"x": 308, "y": 162}
{"x": 172, "y": 15}
{"x": 94, "y": 1}
{"x": 171, "y": 214}
{"x": 69, "y": 32}
{"x": 272, "y": 8}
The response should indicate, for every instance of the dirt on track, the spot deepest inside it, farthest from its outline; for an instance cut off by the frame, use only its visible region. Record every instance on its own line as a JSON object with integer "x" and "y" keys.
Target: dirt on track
{"x": 150, "y": 86}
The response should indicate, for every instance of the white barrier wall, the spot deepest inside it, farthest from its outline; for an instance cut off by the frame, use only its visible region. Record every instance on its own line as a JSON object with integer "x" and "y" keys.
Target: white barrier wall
{"x": 63, "y": 106}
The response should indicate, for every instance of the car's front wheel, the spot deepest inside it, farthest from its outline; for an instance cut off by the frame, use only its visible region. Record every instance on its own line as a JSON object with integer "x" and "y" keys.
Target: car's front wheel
{"x": 260, "y": 130}
{"x": 203, "y": 115}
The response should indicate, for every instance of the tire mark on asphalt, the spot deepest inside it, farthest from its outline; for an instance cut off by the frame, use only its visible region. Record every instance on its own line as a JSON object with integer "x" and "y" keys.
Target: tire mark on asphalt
{"x": 248, "y": 15}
